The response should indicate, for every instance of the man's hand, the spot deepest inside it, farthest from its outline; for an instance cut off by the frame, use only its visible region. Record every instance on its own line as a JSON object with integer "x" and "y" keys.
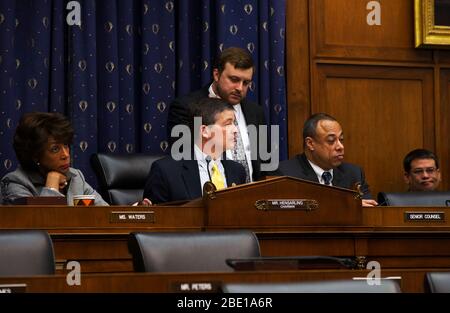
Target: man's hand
{"x": 369, "y": 202}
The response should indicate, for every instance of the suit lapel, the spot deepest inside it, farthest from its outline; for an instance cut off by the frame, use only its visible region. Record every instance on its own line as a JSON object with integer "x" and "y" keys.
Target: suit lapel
{"x": 205, "y": 90}
{"x": 191, "y": 179}
{"x": 249, "y": 114}
{"x": 230, "y": 175}
{"x": 338, "y": 178}
{"x": 306, "y": 168}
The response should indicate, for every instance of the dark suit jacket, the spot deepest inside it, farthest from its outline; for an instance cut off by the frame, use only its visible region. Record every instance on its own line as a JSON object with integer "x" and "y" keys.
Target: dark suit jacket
{"x": 179, "y": 113}
{"x": 345, "y": 175}
{"x": 171, "y": 180}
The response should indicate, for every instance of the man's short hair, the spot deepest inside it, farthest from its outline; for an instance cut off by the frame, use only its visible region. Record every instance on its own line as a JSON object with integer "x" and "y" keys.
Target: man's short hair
{"x": 207, "y": 109}
{"x": 238, "y": 57}
{"x": 310, "y": 126}
{"x": 418, "y": 154}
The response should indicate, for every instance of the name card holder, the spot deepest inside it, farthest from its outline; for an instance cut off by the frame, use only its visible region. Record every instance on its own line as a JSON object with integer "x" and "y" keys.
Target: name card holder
{"x": 40, "y": 201}
{"x": 287, "y": 204}
{"x": 196, "y": 286}
{"x": 13, "y": 288}
{"x": 132, "y": 217}
{"x": 424, "y": 216}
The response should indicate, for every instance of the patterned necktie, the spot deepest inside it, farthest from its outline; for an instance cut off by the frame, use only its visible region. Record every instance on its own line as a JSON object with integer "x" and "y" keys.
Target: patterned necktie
{"x": 239, "y": 153}
{"x": 326, "y": 176}
{"x": 216, "y": 177}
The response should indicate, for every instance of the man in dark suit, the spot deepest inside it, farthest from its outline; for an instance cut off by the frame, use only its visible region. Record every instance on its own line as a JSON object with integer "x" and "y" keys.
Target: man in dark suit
{"x": 232, "y": 78}
{"x": 322, "y": 160}
{"x": 171, "y": 180}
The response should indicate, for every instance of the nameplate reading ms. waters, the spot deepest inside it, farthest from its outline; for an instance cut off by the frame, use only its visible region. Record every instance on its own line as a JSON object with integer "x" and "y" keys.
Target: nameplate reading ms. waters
{"x": 132, "y": 217}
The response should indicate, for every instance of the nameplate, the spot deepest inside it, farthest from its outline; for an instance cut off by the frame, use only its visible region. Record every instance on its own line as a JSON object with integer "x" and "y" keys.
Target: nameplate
{"x": 196, "y": 287}
{"x": 41, "y": 201}
{"x": 287, "y": 204}
{"x": 132, "y": 217}
{"x": 424, "y": 216}
{"x": 13, "y": 288}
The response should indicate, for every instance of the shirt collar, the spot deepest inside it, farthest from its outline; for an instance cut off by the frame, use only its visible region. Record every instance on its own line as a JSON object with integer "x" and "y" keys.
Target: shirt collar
{"x": 319, "y": 171}
{"x": 200, "y": 156}
{"x": 212, "y": 94}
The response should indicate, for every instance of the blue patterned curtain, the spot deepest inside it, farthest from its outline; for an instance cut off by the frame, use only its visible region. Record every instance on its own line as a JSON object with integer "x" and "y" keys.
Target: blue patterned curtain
{"x": 116, "y": 73}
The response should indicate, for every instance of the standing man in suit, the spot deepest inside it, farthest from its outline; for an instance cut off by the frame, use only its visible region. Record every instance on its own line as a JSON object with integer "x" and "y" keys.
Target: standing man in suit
{"x": 322, "y": 160}
{"x": 232, "y": 78}
{"x": 421, "y": 170}
{"x": 172, "y": 180}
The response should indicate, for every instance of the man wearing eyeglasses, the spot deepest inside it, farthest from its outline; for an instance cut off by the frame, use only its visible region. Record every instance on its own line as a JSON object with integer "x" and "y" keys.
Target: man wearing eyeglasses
{"x": 421, "y": 170}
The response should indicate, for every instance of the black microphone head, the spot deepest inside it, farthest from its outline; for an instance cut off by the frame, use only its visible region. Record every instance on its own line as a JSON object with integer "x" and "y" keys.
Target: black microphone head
{"x": 208, "y": 158}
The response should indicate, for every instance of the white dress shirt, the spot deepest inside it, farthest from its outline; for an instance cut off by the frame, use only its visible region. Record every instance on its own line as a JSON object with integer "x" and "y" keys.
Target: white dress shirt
{"x": 202, "y": 169}
{"x": 242, "y": 125}
{"x": 319, "y": 171}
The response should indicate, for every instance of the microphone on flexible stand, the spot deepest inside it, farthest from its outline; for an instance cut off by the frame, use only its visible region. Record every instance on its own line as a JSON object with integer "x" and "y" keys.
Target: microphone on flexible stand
{"x": 208, "y": 160}
{"x": 209, "y": 188}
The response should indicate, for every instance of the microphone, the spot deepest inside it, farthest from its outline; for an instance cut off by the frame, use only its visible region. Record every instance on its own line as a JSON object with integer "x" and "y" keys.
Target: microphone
{"x": 208, "y": 159}
{"x": 209, "y": 187}
{"x": 358, "y": 187}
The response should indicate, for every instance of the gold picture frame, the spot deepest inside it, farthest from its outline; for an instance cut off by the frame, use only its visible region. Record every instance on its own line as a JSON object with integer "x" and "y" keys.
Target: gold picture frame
{"x": 428, "y": 34}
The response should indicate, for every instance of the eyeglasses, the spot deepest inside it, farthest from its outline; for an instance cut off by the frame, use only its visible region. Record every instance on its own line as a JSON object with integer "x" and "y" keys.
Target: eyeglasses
{"x": 428, "y": 170}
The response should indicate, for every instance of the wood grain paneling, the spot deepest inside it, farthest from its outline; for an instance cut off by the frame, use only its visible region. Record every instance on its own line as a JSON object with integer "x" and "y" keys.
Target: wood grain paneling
{"x": 443, "y": 127}
{"x": 384, "y": 113}
{"x": 389, "y": 96}
{"x": 298, "y": 79}
{"x": 339, "y": 29}
{"x": 412, "y": 280}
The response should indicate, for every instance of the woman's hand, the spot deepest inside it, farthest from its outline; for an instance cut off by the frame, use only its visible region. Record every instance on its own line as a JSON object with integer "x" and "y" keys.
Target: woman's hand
{"x": 144, "y": 202}
{"x": 56, "y": 180}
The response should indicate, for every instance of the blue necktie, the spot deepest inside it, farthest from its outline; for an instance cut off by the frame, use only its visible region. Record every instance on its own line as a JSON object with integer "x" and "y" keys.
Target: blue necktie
{"x": 326, "y": 176}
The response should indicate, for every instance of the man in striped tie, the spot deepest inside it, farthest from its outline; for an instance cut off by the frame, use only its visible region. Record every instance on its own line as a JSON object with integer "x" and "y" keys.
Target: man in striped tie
{"x": 232, "y": 78}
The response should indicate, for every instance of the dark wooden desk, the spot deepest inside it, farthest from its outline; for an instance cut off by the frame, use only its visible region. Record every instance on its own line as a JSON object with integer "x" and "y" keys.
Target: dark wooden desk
{"x": 88, "y": 235}
{"x": 99, "y": 220}
{"x": 411, "y": 280}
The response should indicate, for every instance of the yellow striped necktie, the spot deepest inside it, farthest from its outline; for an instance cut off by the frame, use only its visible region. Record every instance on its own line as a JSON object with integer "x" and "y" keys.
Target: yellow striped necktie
{"x": 216, "y": 177}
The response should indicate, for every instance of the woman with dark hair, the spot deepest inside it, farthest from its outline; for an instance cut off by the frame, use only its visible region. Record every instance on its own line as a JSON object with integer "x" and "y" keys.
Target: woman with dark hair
{"x": 41, "y": 143}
